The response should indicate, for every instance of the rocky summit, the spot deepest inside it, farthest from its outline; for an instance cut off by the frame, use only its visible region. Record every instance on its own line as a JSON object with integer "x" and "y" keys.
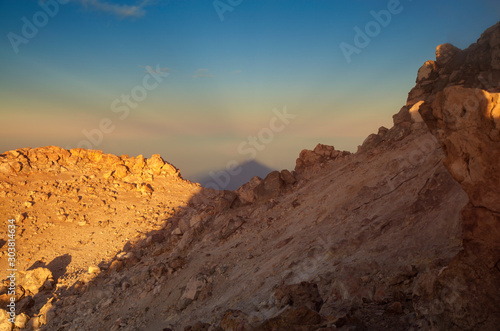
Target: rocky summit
{"x": 404, "y": 234}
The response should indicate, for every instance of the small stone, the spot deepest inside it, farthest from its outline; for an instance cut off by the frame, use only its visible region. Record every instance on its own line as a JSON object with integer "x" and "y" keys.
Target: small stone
{"x": 21, "y": 320}
{"x": 4, "y": 316}
{"x": 121, "y": 256}
{"x": 293, "y": 316}
{"x": 287, "y": 177}
{"x": 270, "y": 187}
{"x": 194, "y": 220}
{"x": 415, "y": 115}
{"x": 107, "y": 174}
{"x": 6, "y": 168}
{"x": 116, "y": 266}
{"x": 444, "y": 53}
{"x": 302, "y": 294}
{"x": 20, "y": 217}
{"x": 35, "y": 279}
{"x": 426, "y": 70}
{"x": 395, "y": 308}
{"x": 155, "y": 163}
{"x": 121, "y": 171}
{"x": 235, "y": 320}
{"x": 156, "y": 238}
{"x": 34, "y": 323}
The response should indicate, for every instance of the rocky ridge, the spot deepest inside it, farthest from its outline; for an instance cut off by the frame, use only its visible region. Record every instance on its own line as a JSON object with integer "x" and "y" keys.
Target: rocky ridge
{"x": 402, "y": 234}
{"x": 465, "y": 116}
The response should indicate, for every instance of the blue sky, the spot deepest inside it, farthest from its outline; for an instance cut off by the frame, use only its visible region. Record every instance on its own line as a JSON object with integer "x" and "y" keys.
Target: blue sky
{"x": 221, "y": 79}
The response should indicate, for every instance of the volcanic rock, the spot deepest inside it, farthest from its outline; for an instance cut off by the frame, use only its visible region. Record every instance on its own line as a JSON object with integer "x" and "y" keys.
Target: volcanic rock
{"x": 402, "y": 235}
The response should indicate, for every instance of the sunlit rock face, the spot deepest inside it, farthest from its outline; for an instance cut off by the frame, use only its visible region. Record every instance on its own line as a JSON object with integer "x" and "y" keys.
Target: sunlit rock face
{"x": 462, "y": 111}
{"x": 465, "y": 120}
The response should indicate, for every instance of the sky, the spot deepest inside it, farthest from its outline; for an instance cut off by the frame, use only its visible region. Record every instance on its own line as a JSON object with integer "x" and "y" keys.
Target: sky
{"x": 206, "y": 84}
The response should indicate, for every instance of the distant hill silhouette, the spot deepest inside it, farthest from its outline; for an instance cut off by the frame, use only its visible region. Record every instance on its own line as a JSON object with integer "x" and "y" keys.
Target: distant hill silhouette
{"x": 223, "y": 180}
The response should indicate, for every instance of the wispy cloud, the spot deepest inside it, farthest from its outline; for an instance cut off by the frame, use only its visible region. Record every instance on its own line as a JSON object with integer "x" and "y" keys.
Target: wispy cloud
{"x": 202, "y": 73}
{"x": 123, "y": 11}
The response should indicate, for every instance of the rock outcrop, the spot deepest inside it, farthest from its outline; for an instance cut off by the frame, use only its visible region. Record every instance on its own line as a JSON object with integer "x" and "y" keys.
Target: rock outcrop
{"x": 478, "y": 66}
{"x": 466, "y": 294}
{"x": 54, "y": 159}
{"x": 317, "y": 157}
{"x": 463, "y": 111}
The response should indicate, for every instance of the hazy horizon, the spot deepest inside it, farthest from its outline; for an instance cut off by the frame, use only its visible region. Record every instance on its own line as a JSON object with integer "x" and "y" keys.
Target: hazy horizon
{"x": 194, "y": 81}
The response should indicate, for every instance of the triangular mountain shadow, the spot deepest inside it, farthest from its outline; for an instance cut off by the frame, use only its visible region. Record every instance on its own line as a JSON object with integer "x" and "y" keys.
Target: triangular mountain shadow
{"x": 231, "y": 180}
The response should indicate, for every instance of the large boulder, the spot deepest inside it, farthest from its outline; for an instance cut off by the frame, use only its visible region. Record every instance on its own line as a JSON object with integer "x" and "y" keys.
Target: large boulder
{"x": 269, "y": 188}
{"x": 445, "y": 53}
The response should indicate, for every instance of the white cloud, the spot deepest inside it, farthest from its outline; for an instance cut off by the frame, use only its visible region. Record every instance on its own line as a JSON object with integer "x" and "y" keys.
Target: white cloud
{"x": 122, "y": 11}
{"x": 202, "y": 73}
